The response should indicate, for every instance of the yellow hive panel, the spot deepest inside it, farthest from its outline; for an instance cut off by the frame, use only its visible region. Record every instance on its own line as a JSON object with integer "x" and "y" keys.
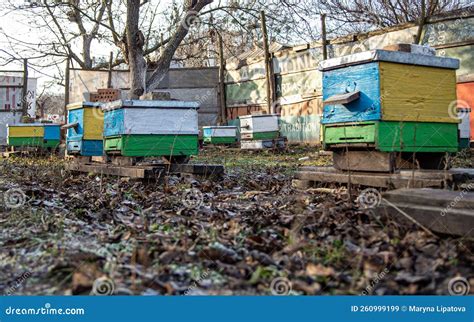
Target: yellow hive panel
{"x": 417, "y": 93}
{"x": 93, "y": 123}
{"x": 25, "y": 131}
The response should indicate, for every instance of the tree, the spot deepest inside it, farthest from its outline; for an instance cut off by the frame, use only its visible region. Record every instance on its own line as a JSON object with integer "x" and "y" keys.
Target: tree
{"x": 361, "y": 15}
{"x": 133, "y": 50}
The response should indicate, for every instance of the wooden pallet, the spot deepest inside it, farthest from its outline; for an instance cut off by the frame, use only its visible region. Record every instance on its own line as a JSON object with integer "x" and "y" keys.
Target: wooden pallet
{"x": 146, "y": 171}
{"x": 307, "y": 177}
{"x": 23, "y": 152}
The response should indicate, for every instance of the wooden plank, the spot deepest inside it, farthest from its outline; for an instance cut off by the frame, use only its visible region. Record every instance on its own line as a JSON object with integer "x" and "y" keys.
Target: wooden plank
{"x": 371, "y": 161}
{"x": 380, "y": 180}
{"x": 198, "y": 169}
{"x": 443, "y": 211}
{"x": 147, "y": 171}
{"x": 345, "y": 98}
{"x": 132, "y": 172}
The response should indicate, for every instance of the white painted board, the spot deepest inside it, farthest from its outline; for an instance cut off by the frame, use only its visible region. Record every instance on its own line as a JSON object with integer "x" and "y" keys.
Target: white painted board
{"x": 160, "y": 121}
{"x": 464, "y": 126}
{"x": 262, "y": 144}
{"x": 258, "y": 123}
{"x": 223, "y": 131}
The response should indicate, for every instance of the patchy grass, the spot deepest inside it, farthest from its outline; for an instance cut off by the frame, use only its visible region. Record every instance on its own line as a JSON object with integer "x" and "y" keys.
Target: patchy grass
{"x": 247, "y": 231}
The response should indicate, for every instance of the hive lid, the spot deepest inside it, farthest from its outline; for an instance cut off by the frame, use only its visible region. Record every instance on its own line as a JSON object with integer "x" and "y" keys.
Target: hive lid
{"x": 388, "y": 56}
{"x": 34, "y": 124}
{"x": 150, "y": 104}
{"x": 77, "y": 105}
{"x": 220, "y": 127}
{"x": 258, "y": 115}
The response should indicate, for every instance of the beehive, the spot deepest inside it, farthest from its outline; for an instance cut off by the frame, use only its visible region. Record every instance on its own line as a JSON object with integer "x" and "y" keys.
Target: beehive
{"x": 391, "y": 86}
{"x": 33, "y": 135}
{"x": 259, "y": 127}
{"x": 219, "y": 134}
{"x": 392, "y": 101}
{"x": 139, "y": 128}
{"x": 85, "y": 137}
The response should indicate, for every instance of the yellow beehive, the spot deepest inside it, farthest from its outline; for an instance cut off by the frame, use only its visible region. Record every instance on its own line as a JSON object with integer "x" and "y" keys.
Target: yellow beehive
{"x": 25, "y": 131}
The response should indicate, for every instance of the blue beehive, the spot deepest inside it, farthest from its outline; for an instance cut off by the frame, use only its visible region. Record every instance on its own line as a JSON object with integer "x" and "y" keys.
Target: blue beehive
{"x": 383, "y": 85}
{"x": 85, "y": 127}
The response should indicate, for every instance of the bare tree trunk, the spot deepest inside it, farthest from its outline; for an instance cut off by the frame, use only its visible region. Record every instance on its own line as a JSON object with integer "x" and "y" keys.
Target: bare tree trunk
{"x": 86, "y": 51}
{"x": 163, "y": 63}
{"x": 134, "y": 45}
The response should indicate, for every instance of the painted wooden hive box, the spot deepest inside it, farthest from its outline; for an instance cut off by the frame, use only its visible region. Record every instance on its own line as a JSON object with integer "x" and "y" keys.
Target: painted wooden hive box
{"x": 139, "y": 128}
{"x": 84, "y": 136}
{"x": 34, "y": 135}
{"x": 393, "y": 136}
{"x": 259, "y": 127}
{"x": 393, "y": 101}
{"x": 383, "y": 85}
{"x": 219, "y": 134}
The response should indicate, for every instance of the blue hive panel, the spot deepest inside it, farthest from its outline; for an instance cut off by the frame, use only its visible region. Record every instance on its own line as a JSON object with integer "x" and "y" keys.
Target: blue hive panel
{"x": 364, "y": 78}
{"x": 52, "y": 132}
{"x": 114, "y": 123}
{"x": 85, "y": 147}
{"x": 92, "y": 147}
{"x": 74, "y": 116}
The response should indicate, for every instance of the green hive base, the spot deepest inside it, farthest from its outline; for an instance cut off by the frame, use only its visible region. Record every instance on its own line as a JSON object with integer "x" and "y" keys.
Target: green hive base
{"x": 260, "y": 135}
{"x": 394, "y": 136}
{"x": 38, "y": 142}
{"x": 152, "y": 145}
{"x": 220, "y": 140}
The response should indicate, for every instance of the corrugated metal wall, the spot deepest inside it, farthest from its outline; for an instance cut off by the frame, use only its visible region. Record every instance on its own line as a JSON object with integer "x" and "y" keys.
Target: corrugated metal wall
{"x": 298, "y": 82}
